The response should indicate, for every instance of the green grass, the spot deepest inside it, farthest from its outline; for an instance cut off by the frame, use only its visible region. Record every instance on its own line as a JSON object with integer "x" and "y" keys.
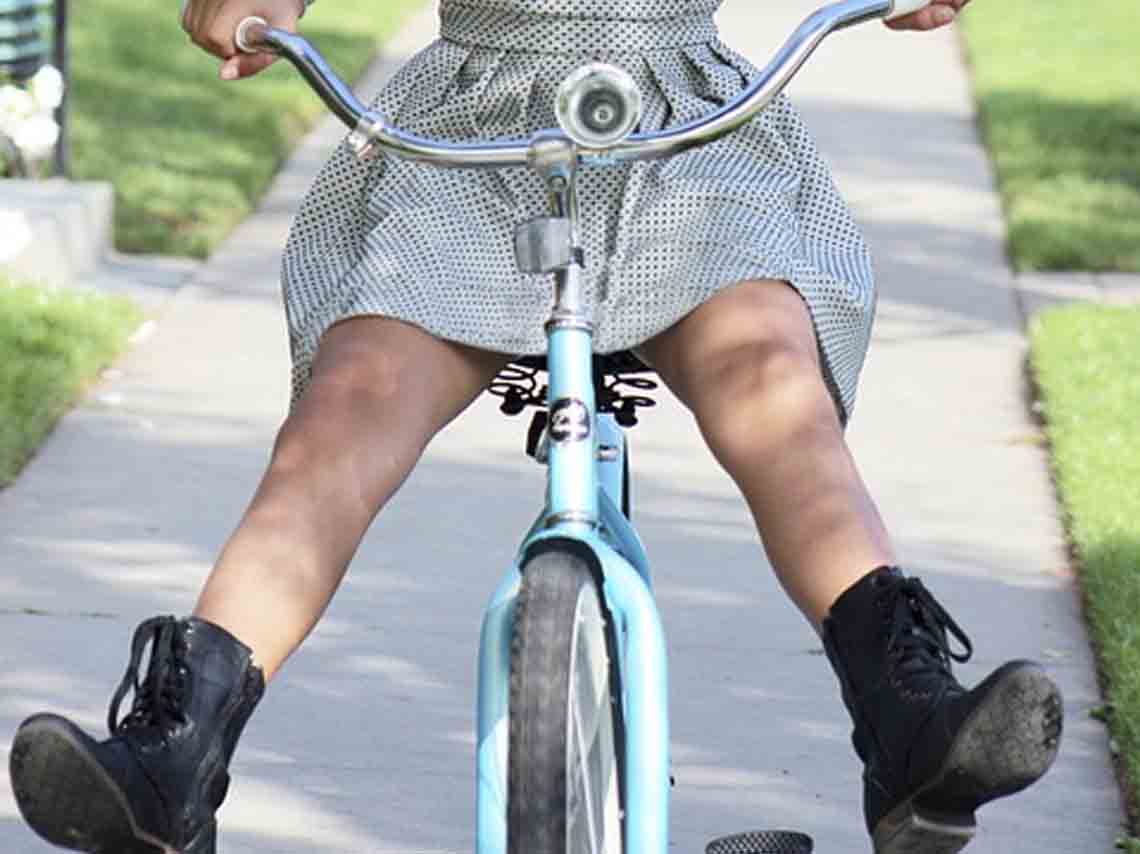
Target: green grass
{"x": 1057, "y": 91}
{"x": 189, "y": 155}
{"x": 52, "y": 342}
{"x": 1085, "y": 358}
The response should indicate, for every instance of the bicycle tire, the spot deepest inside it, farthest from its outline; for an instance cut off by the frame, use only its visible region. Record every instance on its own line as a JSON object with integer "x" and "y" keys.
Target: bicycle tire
{"x": 564, "y": 778}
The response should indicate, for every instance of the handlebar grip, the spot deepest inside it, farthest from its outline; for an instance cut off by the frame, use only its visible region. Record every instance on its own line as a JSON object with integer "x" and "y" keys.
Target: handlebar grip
{"x": 250, "y": 35}
{"x": 905, "y": 7}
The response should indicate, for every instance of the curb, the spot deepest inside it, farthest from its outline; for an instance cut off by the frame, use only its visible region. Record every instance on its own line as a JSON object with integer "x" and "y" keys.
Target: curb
{"x": 54, "y": 231}
{"x": 1038, "y": 291}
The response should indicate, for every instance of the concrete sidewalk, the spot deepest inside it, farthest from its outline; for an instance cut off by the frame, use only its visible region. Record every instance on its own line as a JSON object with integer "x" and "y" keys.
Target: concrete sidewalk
{"x": 365, "y": 744}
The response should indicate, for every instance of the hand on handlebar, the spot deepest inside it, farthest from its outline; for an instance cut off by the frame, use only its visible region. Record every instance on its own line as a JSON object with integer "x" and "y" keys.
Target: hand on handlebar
{"x": 938, "y": 14}
{"x": 211, "y": 25}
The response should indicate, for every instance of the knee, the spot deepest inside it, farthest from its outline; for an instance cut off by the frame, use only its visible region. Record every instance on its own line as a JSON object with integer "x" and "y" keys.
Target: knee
{"x": 765, "y": 392}
{"x": 346, "y": 411}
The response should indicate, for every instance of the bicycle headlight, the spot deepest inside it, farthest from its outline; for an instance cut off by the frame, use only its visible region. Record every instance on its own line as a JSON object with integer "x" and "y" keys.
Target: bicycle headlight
{"x": 598, "y": 105}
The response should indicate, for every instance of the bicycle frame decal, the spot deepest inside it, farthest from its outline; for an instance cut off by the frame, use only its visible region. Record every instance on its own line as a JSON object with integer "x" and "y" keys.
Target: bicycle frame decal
{"x": 569, "y": 420}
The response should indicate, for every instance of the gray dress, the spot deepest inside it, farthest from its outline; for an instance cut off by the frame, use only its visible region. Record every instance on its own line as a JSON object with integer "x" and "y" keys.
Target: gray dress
{"x": 434, "y": 247}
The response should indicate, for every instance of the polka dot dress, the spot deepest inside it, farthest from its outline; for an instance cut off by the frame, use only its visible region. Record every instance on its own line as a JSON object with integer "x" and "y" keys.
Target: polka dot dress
{"x": 434, "y": 247}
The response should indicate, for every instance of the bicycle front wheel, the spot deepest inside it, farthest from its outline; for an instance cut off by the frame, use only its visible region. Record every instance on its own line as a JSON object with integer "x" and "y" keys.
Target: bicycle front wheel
{"x": 564, "y": 761}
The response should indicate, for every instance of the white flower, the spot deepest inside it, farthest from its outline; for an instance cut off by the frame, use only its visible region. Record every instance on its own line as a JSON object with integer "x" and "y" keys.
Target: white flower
{"x": 16, "y": 106}
{"x": 36, "y": 136}
{"x": 46, "y": 87}
{"x": 26, "y": 115}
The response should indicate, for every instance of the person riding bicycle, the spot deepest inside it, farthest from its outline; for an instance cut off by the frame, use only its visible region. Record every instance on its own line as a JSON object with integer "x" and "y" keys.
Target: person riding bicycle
{"x": 734, "y": 270}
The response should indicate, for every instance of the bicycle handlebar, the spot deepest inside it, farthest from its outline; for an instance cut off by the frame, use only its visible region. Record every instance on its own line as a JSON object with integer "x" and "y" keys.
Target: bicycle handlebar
{"x": 372, "y": 132}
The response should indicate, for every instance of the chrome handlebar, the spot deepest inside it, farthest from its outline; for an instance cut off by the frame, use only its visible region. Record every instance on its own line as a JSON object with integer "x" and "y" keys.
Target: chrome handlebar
{"x": 371, "y": 132}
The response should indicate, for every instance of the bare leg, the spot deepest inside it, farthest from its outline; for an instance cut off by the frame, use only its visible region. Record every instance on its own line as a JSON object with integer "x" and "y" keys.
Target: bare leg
{"x": 381, "y": 390}
{"x": 746, "y": 364}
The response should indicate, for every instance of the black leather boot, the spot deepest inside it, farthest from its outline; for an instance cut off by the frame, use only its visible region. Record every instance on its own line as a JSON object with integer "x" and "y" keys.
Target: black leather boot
{"x": 933, "y": 752}
{"x": 153, "y": 786}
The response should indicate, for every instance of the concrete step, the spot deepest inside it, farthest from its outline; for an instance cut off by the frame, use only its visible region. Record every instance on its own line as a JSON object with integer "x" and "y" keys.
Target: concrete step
{"x": 54, "y": 231}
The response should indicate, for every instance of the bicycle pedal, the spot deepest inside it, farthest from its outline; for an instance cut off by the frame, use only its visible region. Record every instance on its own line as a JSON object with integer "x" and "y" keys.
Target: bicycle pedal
{"x": 762, "y": 842}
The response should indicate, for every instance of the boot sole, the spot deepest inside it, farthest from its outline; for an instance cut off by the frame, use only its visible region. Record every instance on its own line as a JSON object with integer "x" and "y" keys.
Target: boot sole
{"x": 1007, "y": 743}
{"x": 68, "y": 798}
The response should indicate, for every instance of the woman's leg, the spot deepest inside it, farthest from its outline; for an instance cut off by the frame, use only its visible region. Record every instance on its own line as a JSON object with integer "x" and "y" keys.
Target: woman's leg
{"x": 381, "y": 389}
{"x": 746, "y": 364}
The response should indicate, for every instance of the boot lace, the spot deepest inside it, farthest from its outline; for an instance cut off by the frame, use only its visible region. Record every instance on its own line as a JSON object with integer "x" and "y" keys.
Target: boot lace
{"x": 159, "y": 697}
{"x": 918, "y": 631}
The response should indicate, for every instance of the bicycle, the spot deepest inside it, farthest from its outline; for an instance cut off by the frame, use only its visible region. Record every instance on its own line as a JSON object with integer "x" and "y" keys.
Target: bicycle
{"x": 572, "y": 729}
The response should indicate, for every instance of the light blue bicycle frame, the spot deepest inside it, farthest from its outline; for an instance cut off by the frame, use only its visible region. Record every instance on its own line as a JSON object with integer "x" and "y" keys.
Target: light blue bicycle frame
{"x": 586, "y": 457}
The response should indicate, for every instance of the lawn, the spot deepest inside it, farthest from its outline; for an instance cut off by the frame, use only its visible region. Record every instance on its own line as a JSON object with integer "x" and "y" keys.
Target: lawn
{"x": 188, "y": 154}
{"x": 52, "y": 343}
{"x": 1084, "y": 359}
{"x": 1057, "y": 87}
